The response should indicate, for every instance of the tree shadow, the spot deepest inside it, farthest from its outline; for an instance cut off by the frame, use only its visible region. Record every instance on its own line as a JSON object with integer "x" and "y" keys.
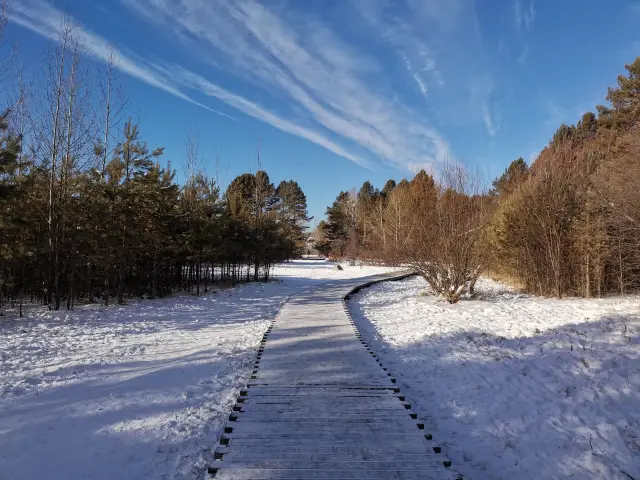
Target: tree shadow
{"x": 561, "y": 404}
{"x": 130, "y": 420}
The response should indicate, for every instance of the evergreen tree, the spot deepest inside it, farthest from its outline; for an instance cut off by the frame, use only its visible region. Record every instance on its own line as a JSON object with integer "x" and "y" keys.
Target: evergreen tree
{"x": 10, "y": 193}
{"x": 337, "y": 230}
{"x": 291, "y": 210}
{"x": 625, "y": 98}
{"x": 321, "y": 243}
{"x": 388, "y": 187}
{"x": 513, "y": 176}
{"x": 587, "y": 127}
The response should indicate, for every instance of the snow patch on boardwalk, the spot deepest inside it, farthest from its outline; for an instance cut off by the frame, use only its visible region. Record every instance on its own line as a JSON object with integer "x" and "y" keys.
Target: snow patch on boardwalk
{"x": 136, "y": 391}
{"x": 516, "y": 386}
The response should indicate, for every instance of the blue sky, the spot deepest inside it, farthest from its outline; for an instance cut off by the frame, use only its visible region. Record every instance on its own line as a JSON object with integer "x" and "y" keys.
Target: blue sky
{"x": 341, "y": 91}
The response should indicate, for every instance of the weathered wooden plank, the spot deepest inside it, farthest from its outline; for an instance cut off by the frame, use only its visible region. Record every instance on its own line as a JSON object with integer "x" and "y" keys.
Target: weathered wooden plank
{"x": 302, "y": 381}
{"x": 321, "y": 401}
{"x": 317, "y": 392}
{"x": 417, "y": 463}
{"x": 307, "y": 417}
{"x": 360, "y": 438}
{"x": 317, "y": 408}
{"x": 341, "y": 450}
{"x": 336, "y": 474}
{"x": 323, "y": 394}
{"x": 337, "y": 426}
{"x": 287, "y": 445}
{"x": 314, "y": 389}
{"x": 249, "y": 455}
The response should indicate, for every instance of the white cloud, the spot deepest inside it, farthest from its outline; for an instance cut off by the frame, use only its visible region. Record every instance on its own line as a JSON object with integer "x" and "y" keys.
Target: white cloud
{"x": 529, "y": 16}
{"x": 439, "y": 39}
{"x": 197, "y": 82}
{"x": 481, "y": 90}
{"x": 305, "y": 62}
{"x": 524, "y": 17}
{"x": 517, "y": 10}
{"x": 40, "y": 17}
{"x": 422, "y": 86}
{"x": 416, "y": 167}
{"x": 331, "y": 97}
{"x": 488, "y": 120}
{"x": 406, "y": 36}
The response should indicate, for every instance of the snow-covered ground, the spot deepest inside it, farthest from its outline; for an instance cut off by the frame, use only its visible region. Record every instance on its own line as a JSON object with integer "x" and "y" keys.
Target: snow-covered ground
{"x": 514, "y": 386}
{"x": 137, "y": 391}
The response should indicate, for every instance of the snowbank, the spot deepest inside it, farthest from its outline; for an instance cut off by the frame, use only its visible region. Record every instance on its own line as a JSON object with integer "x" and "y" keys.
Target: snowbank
{"x": 136, "y": 391}
{"x": 514, "y": 386}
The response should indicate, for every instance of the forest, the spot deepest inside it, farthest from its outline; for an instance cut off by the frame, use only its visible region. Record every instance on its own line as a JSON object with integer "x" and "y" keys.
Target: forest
{"x": 568, "y": 224}
{"x": 91, "y": 213}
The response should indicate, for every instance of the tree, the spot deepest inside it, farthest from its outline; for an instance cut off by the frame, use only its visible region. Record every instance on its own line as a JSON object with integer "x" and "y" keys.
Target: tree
{"x": 337, "y": 225}
{"x": 533, "y": 226}
{"x": 10, "y": 149}
{"x": 587, "y": 127}
{"x": 618, "y": 197}
{"x": 515, "y": 174}
{"x": 388, "y": 187}
{"x": 566, "y": 224}
{"x": 291, "y": 208}
{"x": 133, "y": 163}
{"x": 321, "y": 241}
{"x": 87, "y": 211}
{"x": 251, "y": 196}
{"x": 444, "y": 246}
{"x": 625, "y": 98}
{"x": 563, "y": 134}
{"x": 10, "y": 193}
{"x": 365, "y": 203}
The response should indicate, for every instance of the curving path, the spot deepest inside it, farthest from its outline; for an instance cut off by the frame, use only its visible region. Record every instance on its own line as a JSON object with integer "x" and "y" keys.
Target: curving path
{"x": 320, "y": 406}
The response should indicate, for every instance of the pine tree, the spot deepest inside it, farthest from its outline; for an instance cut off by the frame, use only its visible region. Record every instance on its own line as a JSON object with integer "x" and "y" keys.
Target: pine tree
{"x": 292, "y": 214}
{"x": 626, "y": 97}
{"x": 10, "y": 149}
{"x": 513, "y": 176}
{"x": 337, "y": 231}
{"x": 133, "y": 162}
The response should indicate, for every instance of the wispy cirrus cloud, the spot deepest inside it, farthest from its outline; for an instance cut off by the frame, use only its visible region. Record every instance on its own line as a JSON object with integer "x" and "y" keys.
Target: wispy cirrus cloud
{"x": 303, "y": 60}
{"x": 524, "y": 15}
{"x": 197, "y": 82}
{"x": 407, "y": 37}
{"x": 44, "y": 19}
{"x": 443, "y": 39}
{"x": 488, "y": 120}
{"x": 420, "y": 82}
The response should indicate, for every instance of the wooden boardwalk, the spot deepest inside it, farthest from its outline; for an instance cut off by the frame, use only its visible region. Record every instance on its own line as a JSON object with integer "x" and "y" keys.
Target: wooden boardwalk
{"x": 320, "y": 406}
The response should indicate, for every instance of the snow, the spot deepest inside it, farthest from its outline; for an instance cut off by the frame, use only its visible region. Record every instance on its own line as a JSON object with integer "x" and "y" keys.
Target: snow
{"x": 514, "y": 386}
{"x": 136, "y": 391}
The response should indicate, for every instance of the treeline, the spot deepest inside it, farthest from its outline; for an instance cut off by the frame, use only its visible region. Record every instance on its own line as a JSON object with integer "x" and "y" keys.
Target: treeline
{"x": 569, "y": 224}
{"x": 87, "y": 212}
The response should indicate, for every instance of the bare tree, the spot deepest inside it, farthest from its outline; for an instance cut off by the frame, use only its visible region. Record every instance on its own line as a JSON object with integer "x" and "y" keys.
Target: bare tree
{"x": 618, "y": 191}
{"x": 535, "y": 225}
{"x": 192, "y": 205}
{"x": 50, "y": 137}
{"x": 447, "y": 226}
